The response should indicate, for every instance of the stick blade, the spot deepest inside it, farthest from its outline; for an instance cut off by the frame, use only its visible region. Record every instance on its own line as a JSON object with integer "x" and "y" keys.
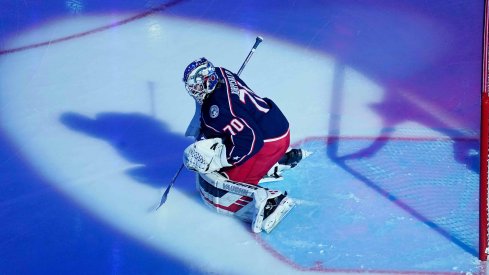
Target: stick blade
{"x": 163, "y": 197}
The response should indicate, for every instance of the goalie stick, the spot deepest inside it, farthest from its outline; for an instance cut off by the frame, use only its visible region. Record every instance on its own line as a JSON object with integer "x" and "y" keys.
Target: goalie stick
{"x": 258, "y": 40}
{"x": 167, "y": 190}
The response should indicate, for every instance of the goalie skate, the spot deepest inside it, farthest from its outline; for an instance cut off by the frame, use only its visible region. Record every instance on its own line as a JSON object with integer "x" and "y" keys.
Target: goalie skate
{"x": 293, "y": 157}
{"x": 267, "y": 178}
{"x": 288, "y": 161}
{"x": 277, "y": 212}
{"x": 273, "y": 212}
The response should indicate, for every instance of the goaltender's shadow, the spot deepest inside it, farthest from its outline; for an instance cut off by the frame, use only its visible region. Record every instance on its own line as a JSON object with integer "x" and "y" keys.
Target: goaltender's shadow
{"x": 142, "y": 140}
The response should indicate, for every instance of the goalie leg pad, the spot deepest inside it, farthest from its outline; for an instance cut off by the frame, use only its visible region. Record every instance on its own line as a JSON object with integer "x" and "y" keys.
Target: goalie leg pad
{"x": 251, "y": 197}
{"x": 219, "y": 181}
{"x": 264, "y": 208}
{"x": 225, "y": 202}
{"x": 270, "y": 208}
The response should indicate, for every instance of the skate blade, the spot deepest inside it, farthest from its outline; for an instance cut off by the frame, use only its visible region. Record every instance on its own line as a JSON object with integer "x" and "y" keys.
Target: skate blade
{"x": 305, "y": 153}
{"x": 274, "y": 219}
{"x": 270, "y": 179}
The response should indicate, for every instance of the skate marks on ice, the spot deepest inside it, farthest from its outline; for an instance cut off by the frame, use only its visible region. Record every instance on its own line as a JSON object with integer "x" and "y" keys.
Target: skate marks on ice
{"x": 341, "y": 223}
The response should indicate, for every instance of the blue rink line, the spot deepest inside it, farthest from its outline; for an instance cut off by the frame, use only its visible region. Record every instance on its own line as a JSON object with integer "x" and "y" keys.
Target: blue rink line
{"x": 407, "y": 206}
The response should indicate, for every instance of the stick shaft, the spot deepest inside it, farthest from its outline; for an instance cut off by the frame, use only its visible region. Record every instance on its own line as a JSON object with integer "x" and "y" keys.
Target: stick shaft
{"x": 258, "y": 40}
{"x": 165, "y": 194}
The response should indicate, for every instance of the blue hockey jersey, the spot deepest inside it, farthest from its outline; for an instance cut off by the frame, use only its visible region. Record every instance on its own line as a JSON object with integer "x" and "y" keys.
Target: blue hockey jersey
{"x": 241, "y": 118}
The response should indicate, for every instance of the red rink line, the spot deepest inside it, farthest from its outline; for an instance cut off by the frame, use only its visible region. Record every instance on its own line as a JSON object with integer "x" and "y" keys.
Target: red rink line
{"x": 319, "y": 267}
{"x": 379, "y": 138}
{"x": 96, "y": 30}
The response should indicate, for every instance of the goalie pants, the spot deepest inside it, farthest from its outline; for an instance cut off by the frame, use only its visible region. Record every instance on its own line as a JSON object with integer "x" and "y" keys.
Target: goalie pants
{"x": 255, "y": 168}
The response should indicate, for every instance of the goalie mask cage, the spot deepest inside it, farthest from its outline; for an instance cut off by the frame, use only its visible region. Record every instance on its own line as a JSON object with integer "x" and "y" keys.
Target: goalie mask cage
{"x": 484, "y": 140}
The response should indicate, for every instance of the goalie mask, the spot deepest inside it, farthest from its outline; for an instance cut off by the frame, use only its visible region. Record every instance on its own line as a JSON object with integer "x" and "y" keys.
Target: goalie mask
{"x": 200, "y": 79}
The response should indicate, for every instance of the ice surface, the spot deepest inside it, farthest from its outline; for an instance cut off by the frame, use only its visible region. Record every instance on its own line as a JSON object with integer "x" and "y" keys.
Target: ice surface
{"x": 93, "y": 112}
